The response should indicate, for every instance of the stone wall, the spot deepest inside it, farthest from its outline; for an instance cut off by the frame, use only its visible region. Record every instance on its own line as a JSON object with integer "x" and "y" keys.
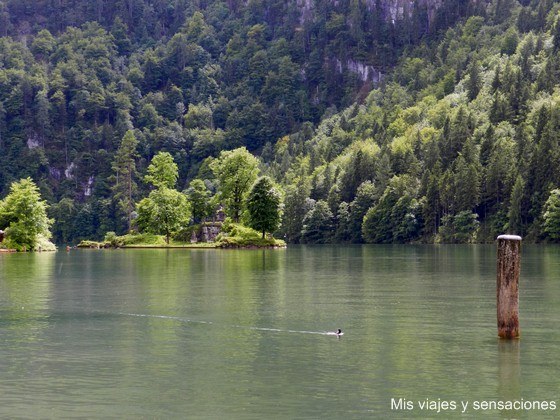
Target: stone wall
{"x": 207, "y": 232}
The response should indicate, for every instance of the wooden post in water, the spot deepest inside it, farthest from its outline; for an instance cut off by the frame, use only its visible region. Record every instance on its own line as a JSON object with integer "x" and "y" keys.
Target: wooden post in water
{"x": 507, "y": 285}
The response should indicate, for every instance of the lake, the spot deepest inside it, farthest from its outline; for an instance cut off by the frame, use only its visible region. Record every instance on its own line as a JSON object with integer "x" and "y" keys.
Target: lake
{"x": 241, "y": 333}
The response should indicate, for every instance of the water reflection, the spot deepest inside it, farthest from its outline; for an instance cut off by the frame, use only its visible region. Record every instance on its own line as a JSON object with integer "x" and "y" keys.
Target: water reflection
{"x": 218, "y": 334}
{"x": 509, "y": 373}
{"x": 25, "y": 280}
{"x": 25, "y": 291}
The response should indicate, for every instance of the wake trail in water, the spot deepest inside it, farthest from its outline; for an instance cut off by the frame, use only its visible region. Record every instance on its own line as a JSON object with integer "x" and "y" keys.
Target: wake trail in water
{"x": 193, "y": 321}
{"x": 174, "y": 318}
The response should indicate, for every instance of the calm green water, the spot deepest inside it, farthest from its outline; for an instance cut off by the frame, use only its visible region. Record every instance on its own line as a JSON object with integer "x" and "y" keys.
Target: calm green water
{"x": 238, "y": 334}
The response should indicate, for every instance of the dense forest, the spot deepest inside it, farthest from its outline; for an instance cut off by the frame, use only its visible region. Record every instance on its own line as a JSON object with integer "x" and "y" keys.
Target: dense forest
{"x": 380, "y": 121}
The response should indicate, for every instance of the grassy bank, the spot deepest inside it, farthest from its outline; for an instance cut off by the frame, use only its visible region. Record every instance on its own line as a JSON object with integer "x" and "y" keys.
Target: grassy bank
{"x": 233, "y": 235}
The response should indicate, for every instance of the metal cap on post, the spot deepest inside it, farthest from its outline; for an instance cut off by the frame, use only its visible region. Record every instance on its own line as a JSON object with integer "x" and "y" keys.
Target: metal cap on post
{"x": 507, "y": 285}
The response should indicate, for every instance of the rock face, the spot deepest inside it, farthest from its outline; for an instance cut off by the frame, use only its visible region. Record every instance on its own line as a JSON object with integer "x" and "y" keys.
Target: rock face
{"x": 364, "y": 72}
{"x": 392, "y": 10}
{"x": 397, "y": 9}
{"x": 210, "y": 231}
{"x": 306, "y": 10}
{"x": 207, "y": 232}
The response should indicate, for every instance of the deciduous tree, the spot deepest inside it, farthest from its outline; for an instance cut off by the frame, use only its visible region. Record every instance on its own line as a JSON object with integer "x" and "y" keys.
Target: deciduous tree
{"x": 23, "y": 215}
{"x": 162, "y": 171}
{"x": 236, "y": 170}
{"x": 551, "y": 215}
{"x": 163, "y": 212}
{"x": 199, "y": 198}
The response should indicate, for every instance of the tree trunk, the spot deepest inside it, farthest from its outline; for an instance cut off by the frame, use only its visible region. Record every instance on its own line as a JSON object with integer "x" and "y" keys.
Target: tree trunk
{"x": 507, "y": 285}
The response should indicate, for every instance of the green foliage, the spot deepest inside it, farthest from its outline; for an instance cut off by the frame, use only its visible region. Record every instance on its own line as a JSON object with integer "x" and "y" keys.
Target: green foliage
{"x": 295, "y": 209}
{"x": 264, "y": 205}
{"x": 467, "y": 112}
{"x": 162, "y": 171}
{"x": 199, "y": 198}
{"x": 510, "y": 41}
{"x": 145, "y": 239}
{"x": 515, "y": 213}
{"x": 163, "y": 212}
{"x": 366, "y": 197}
{"x": 459, "y": 229}
{"x": 43, "y": 44}
{"x": 89, "y": 244}
{"x": 318, "y": 224}
{"x": 235, "y": 235}
{"x": 23, "y": 217}
{"x": 551, "y": 216}
{"x": 113, "y": 240}
{"x": 396, "y": 217}
{"x": 63, "y": 213}
{"x": 236, "y": 171}
{"x": 199, "y": 116}
{"x": 43, "y": 243}
{"x": 124, "y": 179}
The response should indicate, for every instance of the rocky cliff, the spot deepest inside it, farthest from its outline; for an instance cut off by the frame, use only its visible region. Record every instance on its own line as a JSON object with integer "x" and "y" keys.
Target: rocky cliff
{"x": 392, "y": 10}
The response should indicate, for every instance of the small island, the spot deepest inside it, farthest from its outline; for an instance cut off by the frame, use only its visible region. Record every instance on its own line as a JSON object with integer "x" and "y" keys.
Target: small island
{"x": 248, "y": 207}
{"x": 212, "y": 235}
{"x": 244, "y": 212}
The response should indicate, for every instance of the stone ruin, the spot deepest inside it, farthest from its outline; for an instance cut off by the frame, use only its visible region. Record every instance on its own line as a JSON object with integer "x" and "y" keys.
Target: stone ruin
{"x": 207, "y": 232}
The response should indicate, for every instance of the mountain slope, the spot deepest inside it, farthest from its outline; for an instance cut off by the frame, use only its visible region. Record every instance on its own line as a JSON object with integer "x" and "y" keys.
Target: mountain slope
{"x": 460, "y": 144}
{"x": 423, "y": 156}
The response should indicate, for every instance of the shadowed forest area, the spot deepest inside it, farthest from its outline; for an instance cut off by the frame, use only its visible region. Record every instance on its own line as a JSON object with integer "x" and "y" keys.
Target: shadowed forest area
{"x": 376, "y": 121}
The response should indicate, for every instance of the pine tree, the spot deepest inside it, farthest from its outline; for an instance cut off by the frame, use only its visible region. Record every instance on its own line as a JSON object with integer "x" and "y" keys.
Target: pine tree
{"x": 515, "y": 212}
{"x": 556, "y": 37}
{"x": 124, "y": 178}
{"x": 431, "y": 211}
{"x": 295, "y": 209}
{"x": 318, "y": 224}
{"x": 466, "y": 185}
{"x": 474, "y": 83}
{"x": 263, "y": 205}
{"x": 544, "y": 171}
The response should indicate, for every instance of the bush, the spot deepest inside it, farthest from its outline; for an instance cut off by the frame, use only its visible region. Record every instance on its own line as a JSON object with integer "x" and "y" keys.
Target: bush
{"x": 113, "y": 240}
{"x": 142, "y": 239}
{"x": 11, "y": 244}
{"x": 184, "y": 234}
{"x": 43, "y": 244}
{"x": 89, "y": 244}
{"x": 235, "y": 235}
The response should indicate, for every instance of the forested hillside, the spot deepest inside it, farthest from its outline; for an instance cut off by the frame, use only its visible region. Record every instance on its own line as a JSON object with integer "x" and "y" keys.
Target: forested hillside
{"x": 382, "y": 121}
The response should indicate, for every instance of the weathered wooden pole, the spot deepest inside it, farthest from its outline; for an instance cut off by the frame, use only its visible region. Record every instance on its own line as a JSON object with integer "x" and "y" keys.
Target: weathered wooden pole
{"x": 507, "y": 285}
